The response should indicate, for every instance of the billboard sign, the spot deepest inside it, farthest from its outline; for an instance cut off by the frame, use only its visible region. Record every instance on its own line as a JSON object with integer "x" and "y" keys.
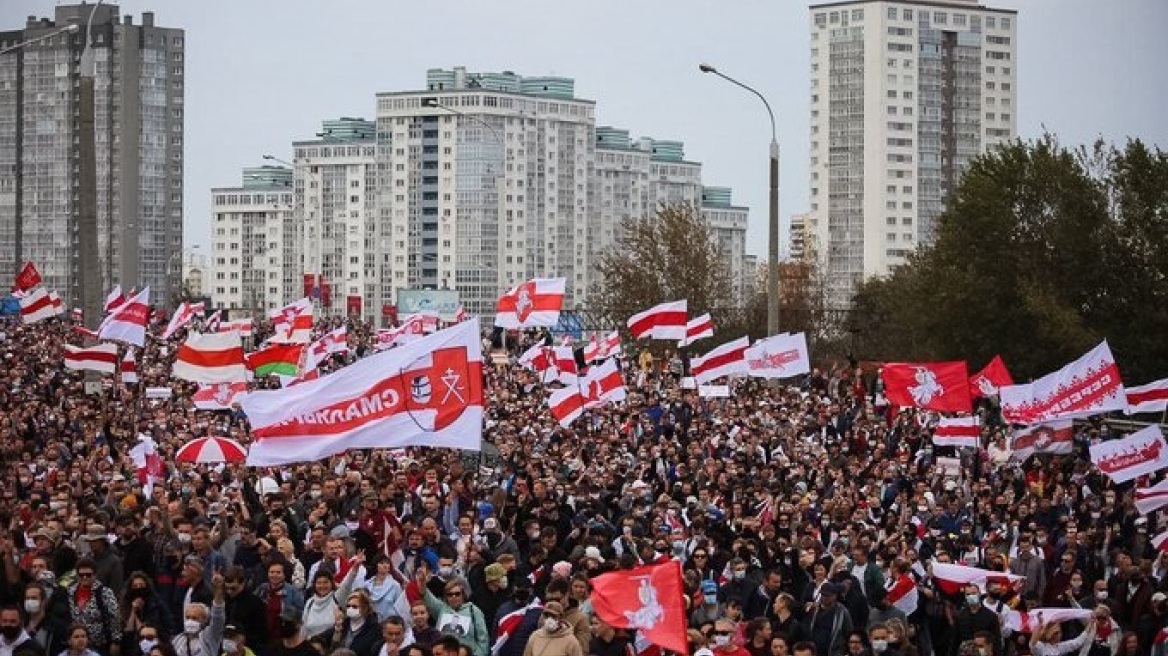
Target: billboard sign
{"x": 443, "y": 302}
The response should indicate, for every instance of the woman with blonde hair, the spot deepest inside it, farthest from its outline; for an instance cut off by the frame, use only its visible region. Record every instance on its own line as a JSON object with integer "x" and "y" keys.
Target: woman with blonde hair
{"x": 357, "y": 627}
{"x": 295, "y": 567}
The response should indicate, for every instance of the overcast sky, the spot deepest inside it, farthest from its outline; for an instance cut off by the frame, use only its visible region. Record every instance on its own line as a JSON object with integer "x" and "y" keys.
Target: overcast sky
{"x": 263, "y": 73}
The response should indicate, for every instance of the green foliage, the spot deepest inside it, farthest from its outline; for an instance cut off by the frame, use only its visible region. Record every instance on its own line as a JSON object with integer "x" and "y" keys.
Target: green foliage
{"x": 668, "y": 256}
{"x": 1042, "y": 252}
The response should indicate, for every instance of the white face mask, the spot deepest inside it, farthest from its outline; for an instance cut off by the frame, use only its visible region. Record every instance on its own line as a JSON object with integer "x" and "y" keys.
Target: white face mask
{"x": 32, "y": 606}
{"x": 721, "y": 640}
{"x": 879, "y": 645}
{"x": 146, "y": 645}
{"x": 352, "y": 613}
{"x": 551, "y": 625}
{"x": 230, "y": 646}
{"x": 192, "y": 626}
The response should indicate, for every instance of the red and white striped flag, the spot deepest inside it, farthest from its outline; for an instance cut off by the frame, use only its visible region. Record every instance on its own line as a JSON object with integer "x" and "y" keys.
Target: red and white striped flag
{"x": 598, "y": 349}
{"x": 1056, "y": 437}
{"x": 127, "y": 323}
{"x": 1160, "y": 542}
{"x": 78, "y": 315}
{"x": 200, "y": 308}
{"x": 535, "y": 303}
{"x": 698, "y": 328}
{"x": 212, "y": 322}
{"x": 958, "y": 431}
{"x": 129, "y": 368}
{"x": 336, "y": 341}
{"x": 664, "y": 321}
{"x": 36, "y": 306}
{"x": 725, "y": 360}
{"x": 85, "y": 332}
{"x": 57, "y": 304}
{"x": 950, "y": 577}
{"x": 241, "y": 326}
{"x": 181, "y": 317}
{"x": 461, "y": 315}
{"x": 1152, "y": 397}
{"x": 1029, "y": 621}
{"x": 102, "y": 358}
{"x": 211, "y": 358}
{"x": 1153, "y": 498}
{"x": 293, "y": 323}
{"x": 220, "y": 396}
{"x": 602, "y": 384}
{"x": 114, "y": 299}
{"x": 903, "y": 593}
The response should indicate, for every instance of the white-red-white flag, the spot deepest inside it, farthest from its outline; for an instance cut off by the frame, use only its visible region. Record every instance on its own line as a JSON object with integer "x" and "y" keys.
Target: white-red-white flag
{"x": 725, "y": 360}
{"x": 36, "y": 306}
{"x": 241, "y": 326}
{"x": 535, "y": 303}
{"x": 129, "y": 368}
{"x": 1088, "y": 386}
{"x": 57, "y": 304}
{"x": 182, "y": 316}
{"x": 1056, "y": 437}
{"x": 211, "y": 358}
{"x": 102, "y": 358}
{"x": 1152, "y": 397}
{"x": 114, "y": 299}
{"x": 1160, "y": 542}
{"x": 698, "y": 328}
{"x": 293, "y": 323}
{"x": 779, "y": 356}
{"x": 411, "y": 329}
{"x": 902, "y": 593}
{"x": 599, "y": 348}
{"x": 601, "y": 385}
{"x": 958, "y": 431}
{"x": 951, "y": 577}
{"x": 220, "y": 396}
{"x": 149, "y": 464}
{"x": 664, "y": 321}
{"x": 211, "y": 323}
{"x": 1029, "y": 621}
{"x": 1142, "y": 452}
{"x": 1149, "y": 499}
{"x": 461, "y": 315}
{"x": 427, "y": 393}
{"x": 127, "y": 323}
{"x": 200, "y": 309}
{"x": 335, "y": 341}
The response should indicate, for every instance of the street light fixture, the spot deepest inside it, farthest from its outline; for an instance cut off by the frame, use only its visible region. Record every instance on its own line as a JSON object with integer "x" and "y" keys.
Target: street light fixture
{"x": 773, "y": 224}
{"x": 304, "y": 220}
{"x": 44, "y": 37}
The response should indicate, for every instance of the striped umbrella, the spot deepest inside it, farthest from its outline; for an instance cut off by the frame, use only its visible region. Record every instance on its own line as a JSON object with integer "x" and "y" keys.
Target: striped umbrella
{"x": 211, "y": 450}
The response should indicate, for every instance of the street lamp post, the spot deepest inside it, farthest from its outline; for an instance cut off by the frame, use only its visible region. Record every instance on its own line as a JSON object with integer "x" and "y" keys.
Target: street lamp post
{"x": 773, "y": 224}
{"x": 88, "y": 264}
{"x": 319, "y": 248}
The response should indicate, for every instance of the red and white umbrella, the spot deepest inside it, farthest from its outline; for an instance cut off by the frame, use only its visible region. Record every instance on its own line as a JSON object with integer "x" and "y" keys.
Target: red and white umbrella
{"x": 211, "y": 450}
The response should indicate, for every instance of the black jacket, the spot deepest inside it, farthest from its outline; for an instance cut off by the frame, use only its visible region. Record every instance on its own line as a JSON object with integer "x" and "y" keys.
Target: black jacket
{"x": 249, "y": 613}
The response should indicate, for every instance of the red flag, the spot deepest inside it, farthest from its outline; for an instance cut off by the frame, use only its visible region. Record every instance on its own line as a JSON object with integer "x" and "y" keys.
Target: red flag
{"x": 938, "y": 386}
{"x": 988, "y": 381}
{"x": 649, "y": 599}
{"x": 28, "y": 277}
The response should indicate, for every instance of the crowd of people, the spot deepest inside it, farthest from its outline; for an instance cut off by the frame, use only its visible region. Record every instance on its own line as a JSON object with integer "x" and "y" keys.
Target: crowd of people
{"x": 793, "y": 510}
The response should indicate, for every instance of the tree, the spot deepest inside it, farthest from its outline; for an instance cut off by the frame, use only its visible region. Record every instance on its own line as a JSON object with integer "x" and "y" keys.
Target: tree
{"x": 1042, "y": 252}
{"x": 671, "y": 255}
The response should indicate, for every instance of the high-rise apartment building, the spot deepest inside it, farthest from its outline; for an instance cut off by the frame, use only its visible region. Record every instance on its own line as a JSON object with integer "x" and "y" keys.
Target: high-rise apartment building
{"x": 138, "y": 125}
{"x": 802, "y": 244}
{"x": 903, "y": 96}
{"x": 336, "y": 180}
{"x": 483, "y": 181}
{"x": 476, "y": 183}
{"x": 253, "y": 236}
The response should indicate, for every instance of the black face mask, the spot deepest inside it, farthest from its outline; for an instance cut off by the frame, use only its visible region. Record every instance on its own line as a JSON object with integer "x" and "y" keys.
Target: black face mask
{"x": 10, "y": 633}
{"x": 288, "y": 629}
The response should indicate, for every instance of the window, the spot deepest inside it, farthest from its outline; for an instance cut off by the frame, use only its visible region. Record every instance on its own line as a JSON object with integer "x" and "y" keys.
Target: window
{"x": 959, "y": 20}
{"x": 820, "y": 19}
{"x": 940, "y": 17}
{"x": 1005, "y": 23}
{"x": 892, "y": 13}
{"x": 907, "y": 13}
{"x": 891, "y": 220}
{"x": 991, "y": 22}
{"x": 857, "y": 15}
{"x": 890, "y": 236}
{"x": 833, "y": 18}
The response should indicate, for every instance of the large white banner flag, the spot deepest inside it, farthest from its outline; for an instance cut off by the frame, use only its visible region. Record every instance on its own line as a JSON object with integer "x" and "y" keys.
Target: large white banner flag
{"x": 1088, "y": 386}
{"x": 780, "y": 356}
{"x": 425, "y": 393}
{"x": 1142, "y": 452}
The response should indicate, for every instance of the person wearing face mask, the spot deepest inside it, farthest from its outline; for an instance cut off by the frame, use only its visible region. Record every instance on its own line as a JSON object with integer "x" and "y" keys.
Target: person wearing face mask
{"x": 878, "y": 640}
{"x": 13, "y": 637}
{"x": 710, "y": 609}
{"x": 554, "y": 637}
{"x": 1031, "y": 566}
{"x": 724, "y": 642}
{"x": 202, "y": 628}
{"x": 974, "y": 617}
{"x": 48, "y": 618}
{"x": 456, "y": 614}
{"x": 356, "y": 628}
